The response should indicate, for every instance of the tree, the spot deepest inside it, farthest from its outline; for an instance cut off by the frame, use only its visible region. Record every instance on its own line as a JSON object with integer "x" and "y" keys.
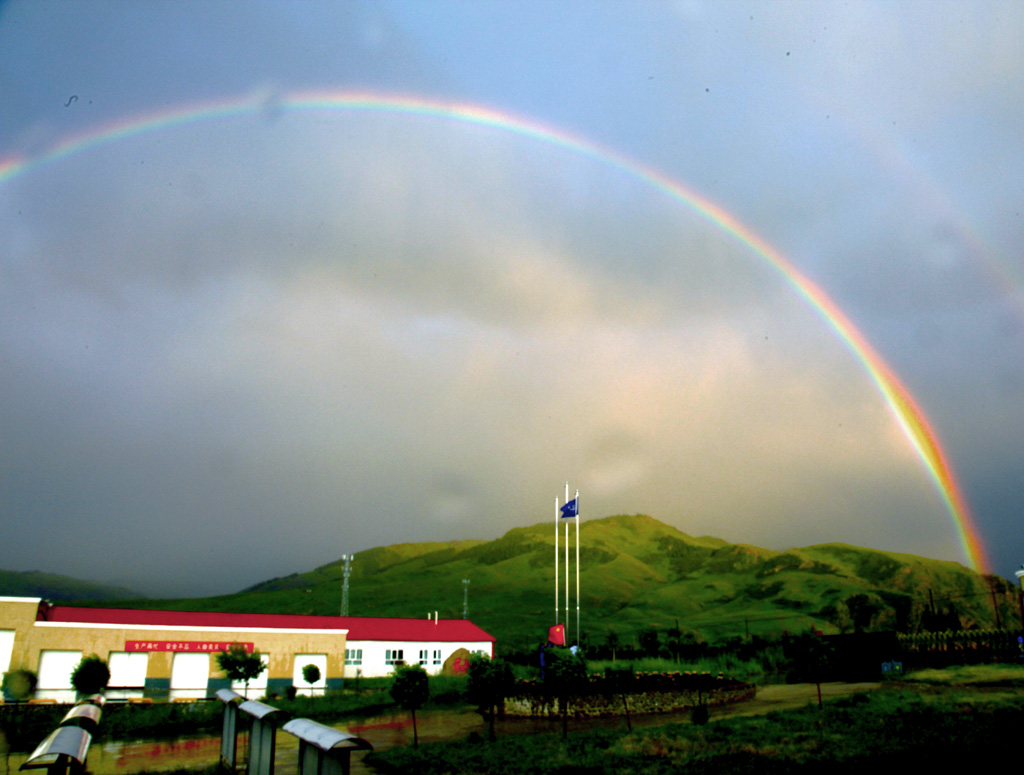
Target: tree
{"x": 91, "y": 675}
{"x": 650, "y": 642}
{"x": 410, "y": 690}
{"x": 567, "y": 675}
{"x": 239, "y": 665}
{"x": 675, "y": 641}
{"x": 310, "y": 674}
{"x": 814, "y": 659}
{"x": 490, "y": 680}
{"x": 863, "y": 610}
{"x": 613, "y": 642}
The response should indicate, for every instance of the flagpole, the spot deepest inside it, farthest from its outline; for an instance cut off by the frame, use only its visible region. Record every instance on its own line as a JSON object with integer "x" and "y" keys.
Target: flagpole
{"x": 567, "y": 568}
{"x": 556, "y": 560}
{"x": 578, "y": 638}
{"x": 567, "y": 581}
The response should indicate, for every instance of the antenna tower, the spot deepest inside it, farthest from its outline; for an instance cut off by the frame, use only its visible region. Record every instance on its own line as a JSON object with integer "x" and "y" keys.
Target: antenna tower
{"x": 344, "y": 584}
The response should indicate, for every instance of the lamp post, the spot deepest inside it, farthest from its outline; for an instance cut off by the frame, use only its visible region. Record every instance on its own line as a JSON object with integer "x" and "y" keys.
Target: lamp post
{"x": 465, "y": 598}
{"x": 1020, "y": 596}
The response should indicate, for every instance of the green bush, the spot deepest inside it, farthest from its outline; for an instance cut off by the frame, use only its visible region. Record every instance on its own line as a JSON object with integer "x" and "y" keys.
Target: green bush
{"x": 19, "y": 684}
{"x": 91, "y": 676}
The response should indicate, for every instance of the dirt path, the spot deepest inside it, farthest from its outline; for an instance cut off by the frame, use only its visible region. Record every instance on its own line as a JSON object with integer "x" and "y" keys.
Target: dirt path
{"x": 783, "y": 696}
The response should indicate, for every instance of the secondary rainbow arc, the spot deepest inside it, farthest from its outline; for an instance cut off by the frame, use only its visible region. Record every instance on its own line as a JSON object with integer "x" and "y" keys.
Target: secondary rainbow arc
{"x": 909, "y": 415}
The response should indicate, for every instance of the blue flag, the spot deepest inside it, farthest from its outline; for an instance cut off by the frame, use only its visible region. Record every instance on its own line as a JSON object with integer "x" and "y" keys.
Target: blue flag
{"x": 570, "y": 509}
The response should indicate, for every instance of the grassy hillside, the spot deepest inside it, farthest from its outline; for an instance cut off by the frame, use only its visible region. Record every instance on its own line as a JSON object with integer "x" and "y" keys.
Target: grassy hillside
{"x": 56, "y": 588}
{"x": 637, "y": 573}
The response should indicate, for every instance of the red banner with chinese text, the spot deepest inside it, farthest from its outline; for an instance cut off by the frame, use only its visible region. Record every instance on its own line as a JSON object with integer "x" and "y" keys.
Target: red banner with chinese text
{"x": 190, "y": 646}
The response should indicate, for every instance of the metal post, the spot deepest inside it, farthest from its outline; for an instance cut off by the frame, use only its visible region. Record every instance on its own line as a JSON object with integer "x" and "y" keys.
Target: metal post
{"x": 465, "y": 598}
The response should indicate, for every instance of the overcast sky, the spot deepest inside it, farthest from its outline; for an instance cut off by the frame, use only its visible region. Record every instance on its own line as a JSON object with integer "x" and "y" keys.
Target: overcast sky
{"x": 241, "y": 345}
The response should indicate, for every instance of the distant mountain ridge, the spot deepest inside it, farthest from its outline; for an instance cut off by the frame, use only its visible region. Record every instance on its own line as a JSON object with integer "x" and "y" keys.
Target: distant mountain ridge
{"x": 637, "y": 573}
{"x": 56, "y": 588}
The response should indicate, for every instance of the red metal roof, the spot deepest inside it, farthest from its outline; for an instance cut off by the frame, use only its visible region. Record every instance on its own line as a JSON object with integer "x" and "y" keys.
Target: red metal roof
{"x": 359, "y": 627}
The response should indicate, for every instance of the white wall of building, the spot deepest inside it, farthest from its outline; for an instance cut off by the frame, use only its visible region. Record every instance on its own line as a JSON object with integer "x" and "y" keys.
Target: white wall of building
{"x": 379, "y": 657}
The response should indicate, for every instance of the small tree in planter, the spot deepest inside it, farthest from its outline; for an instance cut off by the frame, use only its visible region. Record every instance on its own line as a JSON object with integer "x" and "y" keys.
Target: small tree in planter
{"x": 239, "y": 665}
{"x": 91, "y": 676}
{"x": 411, "y": 690}
{"x": 310, "y": 674}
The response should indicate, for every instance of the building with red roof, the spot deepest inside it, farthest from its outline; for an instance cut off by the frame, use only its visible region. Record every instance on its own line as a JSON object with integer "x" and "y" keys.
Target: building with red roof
{"x": 170, "y": 654}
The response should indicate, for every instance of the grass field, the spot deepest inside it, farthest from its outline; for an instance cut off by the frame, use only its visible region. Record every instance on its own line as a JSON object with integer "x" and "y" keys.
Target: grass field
{"x": 936, "y": 719}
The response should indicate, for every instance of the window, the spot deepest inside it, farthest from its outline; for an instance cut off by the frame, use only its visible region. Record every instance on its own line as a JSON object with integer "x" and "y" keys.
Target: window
{"x": 190, "y": 674}
{"x": 394, "y": 657}
{"x": 437, "y": 656}
{"x": 423, "y": 656}
{"x": 353, "y": 656}
{"x": 127, "y": 674}
{"x": 303, "y": 687}
{"x": 6, "y": 649}
{"x": 55, "y": 669}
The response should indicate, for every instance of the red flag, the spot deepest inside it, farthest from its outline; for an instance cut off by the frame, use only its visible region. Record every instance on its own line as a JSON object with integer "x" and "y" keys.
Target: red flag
{"x": 556, "y": 635}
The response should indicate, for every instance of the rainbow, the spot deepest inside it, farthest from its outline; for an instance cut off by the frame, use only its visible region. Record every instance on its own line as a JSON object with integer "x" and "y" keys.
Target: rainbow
{"x": 908, "y": 414}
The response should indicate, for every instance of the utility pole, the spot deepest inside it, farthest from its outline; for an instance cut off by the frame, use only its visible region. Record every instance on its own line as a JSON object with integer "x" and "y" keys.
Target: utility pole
{"x": 995, "y": 604}
{"x": 465, "y": 598}
{"x": 344, "y": 584}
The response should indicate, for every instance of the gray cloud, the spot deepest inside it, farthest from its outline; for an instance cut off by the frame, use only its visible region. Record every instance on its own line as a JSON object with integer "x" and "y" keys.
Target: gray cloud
{"x": 299, "y": 335}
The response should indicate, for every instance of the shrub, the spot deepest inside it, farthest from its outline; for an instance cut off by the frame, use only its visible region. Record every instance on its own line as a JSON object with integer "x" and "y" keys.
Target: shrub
{"x": 20, "y": 684}
{"x": 91, "y": 676}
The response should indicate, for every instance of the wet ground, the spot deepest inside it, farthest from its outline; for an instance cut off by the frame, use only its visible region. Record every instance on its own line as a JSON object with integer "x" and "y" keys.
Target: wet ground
{"x": 388, "y": 731}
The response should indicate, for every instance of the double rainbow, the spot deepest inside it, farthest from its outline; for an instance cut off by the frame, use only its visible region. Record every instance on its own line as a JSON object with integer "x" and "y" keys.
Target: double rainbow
{"x": 901, "y": 403}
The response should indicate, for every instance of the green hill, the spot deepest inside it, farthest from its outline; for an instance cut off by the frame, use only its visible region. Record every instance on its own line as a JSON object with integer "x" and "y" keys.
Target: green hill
{"x": 56, "y": 588}
{"x": 637, "y": 573}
